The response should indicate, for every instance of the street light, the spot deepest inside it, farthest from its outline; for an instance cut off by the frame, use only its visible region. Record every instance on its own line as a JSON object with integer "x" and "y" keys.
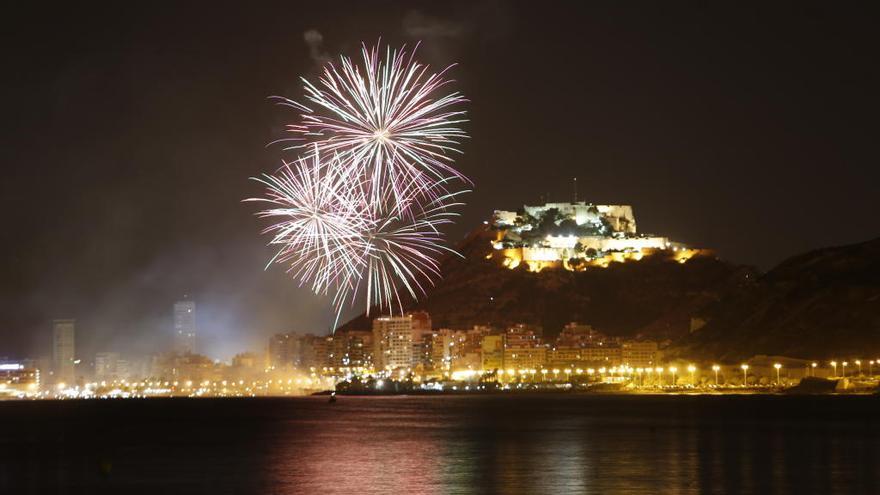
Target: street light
{"x": 691, "y": 369}
{"x": 777, "y": 366}
{"x": 859, "y": 364}
{"x": 834, "y": 364}
{"x": 813, "y": 369}
{"x": 871, "y": 368}
{"x": 673, "y": 369}
{"x": 844, "y": 368}
{"x": 745, "y": 369}
{"x": 716, "y": 368}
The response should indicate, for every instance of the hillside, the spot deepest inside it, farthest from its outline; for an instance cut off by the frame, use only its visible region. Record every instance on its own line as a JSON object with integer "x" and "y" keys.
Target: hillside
{"x": 821, "y": 304}
{"x": 656, "y": 296}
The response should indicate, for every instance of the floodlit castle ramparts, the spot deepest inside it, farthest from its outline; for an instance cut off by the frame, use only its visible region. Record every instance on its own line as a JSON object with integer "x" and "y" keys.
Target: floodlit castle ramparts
{"x": 574, "y": 236}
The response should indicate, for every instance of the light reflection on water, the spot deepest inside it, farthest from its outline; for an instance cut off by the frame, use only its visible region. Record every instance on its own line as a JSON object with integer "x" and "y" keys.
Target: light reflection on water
{"x": 675, "y": 445}
{"x": 440, "y": 445}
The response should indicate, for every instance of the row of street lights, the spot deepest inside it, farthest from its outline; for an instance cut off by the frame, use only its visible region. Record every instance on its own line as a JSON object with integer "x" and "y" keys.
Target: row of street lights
{"x": 672, "y": 370}
{"x": 858, "y": 363}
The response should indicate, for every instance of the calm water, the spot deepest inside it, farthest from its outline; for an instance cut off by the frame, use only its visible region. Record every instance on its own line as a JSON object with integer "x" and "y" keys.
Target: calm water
{"x": 534, "y": 444}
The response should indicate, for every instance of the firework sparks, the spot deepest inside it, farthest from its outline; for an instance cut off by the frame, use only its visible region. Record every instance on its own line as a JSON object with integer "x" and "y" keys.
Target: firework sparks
{"x": 320, "y": 221}
{"x": 385, "y": 119}
{"x": 361, "y": 209}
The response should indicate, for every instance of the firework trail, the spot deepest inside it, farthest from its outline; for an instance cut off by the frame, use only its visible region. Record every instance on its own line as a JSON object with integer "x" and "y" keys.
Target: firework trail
{"x": 360, "y": 210}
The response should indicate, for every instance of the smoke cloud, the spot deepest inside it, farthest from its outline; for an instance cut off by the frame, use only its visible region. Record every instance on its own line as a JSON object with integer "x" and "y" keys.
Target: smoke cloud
{"x": 315, "y": 41}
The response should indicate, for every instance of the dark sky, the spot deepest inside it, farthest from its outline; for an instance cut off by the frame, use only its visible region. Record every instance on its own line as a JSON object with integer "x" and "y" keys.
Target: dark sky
{"x": 129, "y": 133}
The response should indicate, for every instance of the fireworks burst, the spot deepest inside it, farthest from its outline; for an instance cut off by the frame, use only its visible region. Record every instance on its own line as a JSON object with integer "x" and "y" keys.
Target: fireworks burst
{"x": 385, "y": 119}
{"x": 321, "y": 221}
{"x": 361, "y": 209}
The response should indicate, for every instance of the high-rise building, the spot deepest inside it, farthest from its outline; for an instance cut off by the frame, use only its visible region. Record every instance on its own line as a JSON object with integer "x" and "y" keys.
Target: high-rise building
{"x": 63, "y": 351}
{"x": 392, "y": 342}
{"x": 421, "y": 338}
{"x": 351, "y": 349}
{"x": 185, "y": 327}
{"x": 284, "y": 351}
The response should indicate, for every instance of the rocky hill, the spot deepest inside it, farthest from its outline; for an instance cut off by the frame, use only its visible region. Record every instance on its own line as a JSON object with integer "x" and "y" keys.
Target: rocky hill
{"x": 819, "y": 305}
{"x": 655, "y": 297}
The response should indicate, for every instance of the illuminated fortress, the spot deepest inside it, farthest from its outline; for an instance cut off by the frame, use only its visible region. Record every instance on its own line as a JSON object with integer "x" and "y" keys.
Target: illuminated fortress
{"x": 575, "y": 236}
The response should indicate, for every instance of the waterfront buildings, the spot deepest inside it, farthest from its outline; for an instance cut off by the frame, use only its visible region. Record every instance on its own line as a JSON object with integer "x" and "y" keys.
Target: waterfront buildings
{"x": 518, "y": 356}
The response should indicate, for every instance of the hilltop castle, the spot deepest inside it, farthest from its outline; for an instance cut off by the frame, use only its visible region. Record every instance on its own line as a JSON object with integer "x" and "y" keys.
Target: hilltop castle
{"x": 574, "y": 236}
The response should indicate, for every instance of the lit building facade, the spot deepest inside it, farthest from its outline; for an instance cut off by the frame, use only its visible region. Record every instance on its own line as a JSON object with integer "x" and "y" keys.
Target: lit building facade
{"x": 351, "y": 349}
{"x": 392, "y": 342}
{"x": 492, "y": 348}
{"x": 640, "y": 354}
{"x": 421, "y": 339}
{"x": 524, "y": 357}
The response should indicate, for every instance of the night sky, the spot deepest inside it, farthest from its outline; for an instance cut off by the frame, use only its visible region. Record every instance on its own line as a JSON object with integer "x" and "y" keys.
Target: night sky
{"x": 129, "y": 133}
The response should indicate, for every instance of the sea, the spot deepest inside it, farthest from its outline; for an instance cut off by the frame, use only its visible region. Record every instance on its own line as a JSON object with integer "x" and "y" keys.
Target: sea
{"x": 510, "y": 444}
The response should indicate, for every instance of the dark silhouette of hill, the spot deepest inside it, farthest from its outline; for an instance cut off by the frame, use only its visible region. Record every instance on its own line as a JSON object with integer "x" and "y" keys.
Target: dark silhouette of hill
{"x": 819, "y": 305}
{"x": 655, "y": 297}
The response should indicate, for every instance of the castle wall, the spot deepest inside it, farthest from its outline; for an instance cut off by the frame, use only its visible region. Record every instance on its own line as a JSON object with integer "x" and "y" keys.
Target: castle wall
{"x": 620, "y": 217}
{"x": 600, "y": 243}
